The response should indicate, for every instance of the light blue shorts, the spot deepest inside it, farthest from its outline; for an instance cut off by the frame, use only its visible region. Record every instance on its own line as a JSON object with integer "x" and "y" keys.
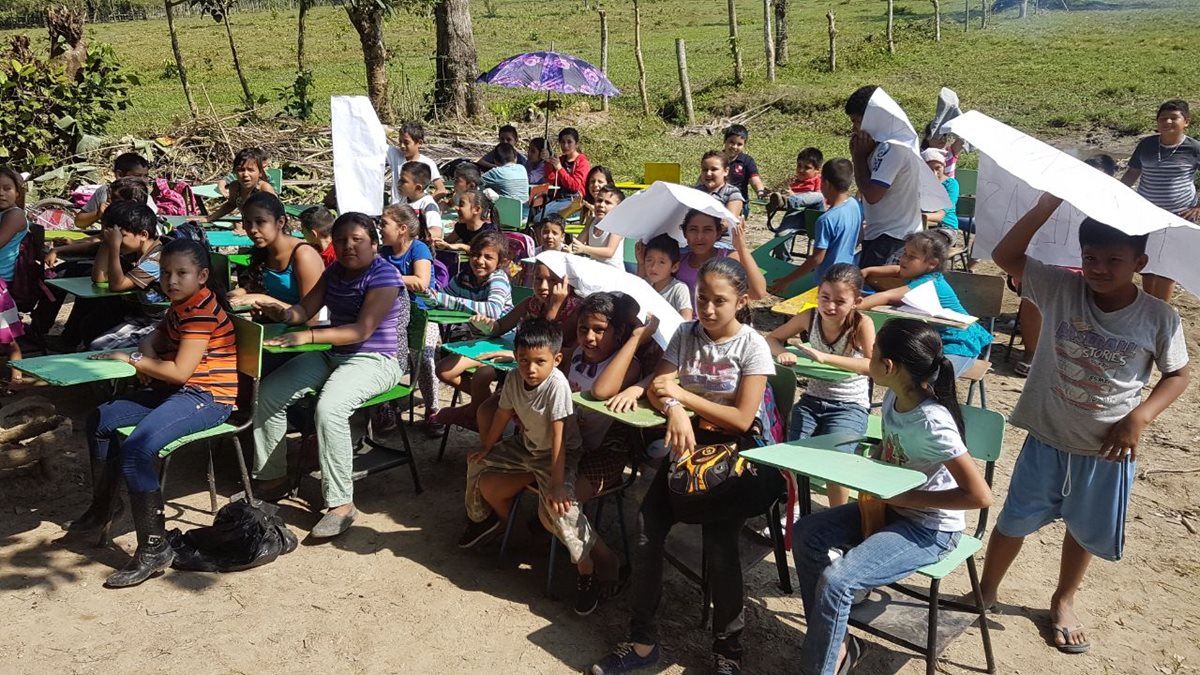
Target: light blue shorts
{"x": 1090, "y": 495}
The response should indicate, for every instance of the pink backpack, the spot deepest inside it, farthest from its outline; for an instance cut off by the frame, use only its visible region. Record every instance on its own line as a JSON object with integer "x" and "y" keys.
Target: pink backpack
{"x": 174, "y": 201}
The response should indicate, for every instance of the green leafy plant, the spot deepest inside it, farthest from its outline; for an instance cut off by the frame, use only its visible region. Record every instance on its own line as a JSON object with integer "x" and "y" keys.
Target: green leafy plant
{"x": 295, "y": 97}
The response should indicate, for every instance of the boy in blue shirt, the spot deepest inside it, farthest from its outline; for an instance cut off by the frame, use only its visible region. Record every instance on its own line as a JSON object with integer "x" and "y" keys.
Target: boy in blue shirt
{"x": 837, "y": 230}
{"x": 1083, "y": 405}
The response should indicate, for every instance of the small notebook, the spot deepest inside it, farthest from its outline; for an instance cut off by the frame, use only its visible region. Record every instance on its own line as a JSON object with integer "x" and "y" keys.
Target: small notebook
{"x": 924, "y": 300}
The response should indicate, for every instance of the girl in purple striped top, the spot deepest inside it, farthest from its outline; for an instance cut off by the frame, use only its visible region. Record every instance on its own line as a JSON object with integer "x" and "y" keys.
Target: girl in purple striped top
{"x": 368, "y": 310}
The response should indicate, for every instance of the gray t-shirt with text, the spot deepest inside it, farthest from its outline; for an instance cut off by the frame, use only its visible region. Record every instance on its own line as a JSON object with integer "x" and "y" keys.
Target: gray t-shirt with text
{"x": 539, "y": 408}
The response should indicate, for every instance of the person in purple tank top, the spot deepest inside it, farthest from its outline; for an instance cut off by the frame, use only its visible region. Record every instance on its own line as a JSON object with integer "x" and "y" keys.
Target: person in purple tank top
{"x": 702, "y": 231}
{"x": 368, "y": 310}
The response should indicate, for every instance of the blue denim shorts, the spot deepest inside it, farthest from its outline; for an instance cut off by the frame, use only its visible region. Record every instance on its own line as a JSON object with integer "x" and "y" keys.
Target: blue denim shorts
{"x": 1090, "y": 495}
{"x": 814, "y": 416}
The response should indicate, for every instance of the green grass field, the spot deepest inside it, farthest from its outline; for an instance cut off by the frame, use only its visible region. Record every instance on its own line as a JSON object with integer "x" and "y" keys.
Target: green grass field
{"x": 1082, "y": 78}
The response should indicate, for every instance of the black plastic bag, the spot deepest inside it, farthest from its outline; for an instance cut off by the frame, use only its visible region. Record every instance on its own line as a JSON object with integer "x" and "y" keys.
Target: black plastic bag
{"x": 242, "y": 536}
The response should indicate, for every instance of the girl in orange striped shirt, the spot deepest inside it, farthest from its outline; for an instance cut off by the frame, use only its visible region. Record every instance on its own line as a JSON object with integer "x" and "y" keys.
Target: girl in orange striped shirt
{"x": 189, "y": 364}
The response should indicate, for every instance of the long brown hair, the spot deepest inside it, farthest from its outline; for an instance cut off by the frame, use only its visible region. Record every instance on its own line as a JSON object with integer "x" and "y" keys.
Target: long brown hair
{"x": 848, "y": 274}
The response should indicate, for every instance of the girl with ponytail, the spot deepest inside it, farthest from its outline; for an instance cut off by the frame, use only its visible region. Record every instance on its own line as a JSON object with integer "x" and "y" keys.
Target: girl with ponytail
{"x": 923, "y": 431}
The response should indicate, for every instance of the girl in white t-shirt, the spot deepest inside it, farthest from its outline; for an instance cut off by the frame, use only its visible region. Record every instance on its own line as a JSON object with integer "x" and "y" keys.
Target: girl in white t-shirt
{"x": 923, "y": 431}
{"x": 602, "y": 246}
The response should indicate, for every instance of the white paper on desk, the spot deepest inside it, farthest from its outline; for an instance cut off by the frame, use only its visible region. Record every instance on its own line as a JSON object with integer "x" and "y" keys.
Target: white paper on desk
{"x": 886, "y": 122}
{"x": 1015, "y": 169}
{"x": 660, "y": 209}
{"x": 924, "y": 300}
{"x": 588, "y": 276}
{"x": 359, "y": 148}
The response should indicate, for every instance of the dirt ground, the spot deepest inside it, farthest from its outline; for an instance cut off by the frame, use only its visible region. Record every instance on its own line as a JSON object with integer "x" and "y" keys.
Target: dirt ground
{"x": 394, "y": 594}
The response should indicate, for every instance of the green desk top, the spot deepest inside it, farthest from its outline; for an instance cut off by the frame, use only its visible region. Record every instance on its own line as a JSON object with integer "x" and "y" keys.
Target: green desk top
{"x": 62, "y": 370}
{"x": 815, "y": 458}
{"x": 239, "y": 259}
{"x": 222, "y": 238}
{"x": 806, "y": 367}
{"x": 644, "y": 417}
{"x": 82, "y": 287}
{"x": 473, "y": 348}
{"x": 271, "y": 330}
{"x": 448, "y": 317}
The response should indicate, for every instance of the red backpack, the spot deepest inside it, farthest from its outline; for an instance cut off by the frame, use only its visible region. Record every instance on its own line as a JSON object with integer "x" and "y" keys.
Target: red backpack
{"x": 174, "y": 201}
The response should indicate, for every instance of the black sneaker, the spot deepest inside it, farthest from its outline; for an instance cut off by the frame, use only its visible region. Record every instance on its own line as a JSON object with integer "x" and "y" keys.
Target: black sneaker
{"x": 612, "y": 589}
{"x": 477, "y": 533}
{"x": 623, "y": 659}
{"x": 587, "y": 594}
{"x": 723, "y": 665}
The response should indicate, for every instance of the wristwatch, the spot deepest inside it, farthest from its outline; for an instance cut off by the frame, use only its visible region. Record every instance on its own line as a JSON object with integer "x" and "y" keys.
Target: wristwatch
{"x": 669, "y": 403}
{"x": 135, "y": 357}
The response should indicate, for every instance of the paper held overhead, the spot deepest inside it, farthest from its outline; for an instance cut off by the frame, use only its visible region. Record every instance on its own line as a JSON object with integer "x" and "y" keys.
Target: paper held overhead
{"x": 660, "y": 209}
{"x": 1015, "y": 169}
{"x": 359, "y": 149}
{"x": 886, "y": 122}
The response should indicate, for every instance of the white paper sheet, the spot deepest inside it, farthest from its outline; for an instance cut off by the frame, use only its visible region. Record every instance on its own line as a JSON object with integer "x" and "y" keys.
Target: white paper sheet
{"x": 884, "y": 120}
{"x": 924, "y": 300}
{"x": 1015, "y": 169}
{"x": 587, "y": 276}
{"x": 359, "y": 148}
{"x": 660, "y": 209}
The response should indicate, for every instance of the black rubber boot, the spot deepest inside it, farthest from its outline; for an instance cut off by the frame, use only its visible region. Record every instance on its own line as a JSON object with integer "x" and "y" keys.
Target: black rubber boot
{"x": 106, "y": 499}
{"x": 154, "y": 554}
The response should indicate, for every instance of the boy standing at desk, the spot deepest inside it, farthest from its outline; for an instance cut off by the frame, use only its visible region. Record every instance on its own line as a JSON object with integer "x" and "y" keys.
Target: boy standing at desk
{"x": 1083, "y": 406}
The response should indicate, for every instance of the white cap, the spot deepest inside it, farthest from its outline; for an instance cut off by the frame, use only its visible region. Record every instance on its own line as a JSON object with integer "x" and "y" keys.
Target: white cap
{"x": 933, "y": 155}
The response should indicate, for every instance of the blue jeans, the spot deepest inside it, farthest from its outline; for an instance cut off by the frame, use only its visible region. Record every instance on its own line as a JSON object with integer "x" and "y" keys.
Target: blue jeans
{"x": 827, "y": 588}
{"x": 814, "y": 416}
{"x": 160, "y": 416}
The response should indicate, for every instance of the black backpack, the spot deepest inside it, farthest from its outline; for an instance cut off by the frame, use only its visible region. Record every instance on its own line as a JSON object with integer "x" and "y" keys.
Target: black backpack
{"x": 189, "y": 230}
{"x": 243, "y": 535}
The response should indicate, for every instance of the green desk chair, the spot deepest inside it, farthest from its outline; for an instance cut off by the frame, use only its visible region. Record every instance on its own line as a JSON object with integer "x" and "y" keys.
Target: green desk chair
{"x": 774, "y": 269}
{"x": 508, "y": 212}
{"x": 985, "y": 441}
{"x": 982, "y": 295}
{"x": 966, "y": 219}
{"x": 667, "y": 172}
{"x": 520, "y": 294}
{"x": 968, "y": 182}
{"x": 249, "y": 342}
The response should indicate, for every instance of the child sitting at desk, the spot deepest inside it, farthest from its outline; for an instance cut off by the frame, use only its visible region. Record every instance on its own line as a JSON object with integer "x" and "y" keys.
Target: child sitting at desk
{"x": 250, "y": 168}
{"x": 414, "y": 178}
{"x": 602, "y": 246}
{"x": 659, "y": 261}
{"x": 128, "y": 260}
{"x": 466, "y": 179}
{"x": 509, "y": 178}
{"x": 13, "y": 228}
{"x": 922, "y": 261}
{"x": 702, "y": 231}
{"x": 282, "y": 268}
{"x": 190, "y": 361}
{"x": 127, "y": 164}
{"x": 551, "y": 234}
{"x": 368, "y": 312}
{"x": 474, "y": 210}
{"x": 412, "y": 137}
{"x": 316, "y": 222}
{"x": 837, "y": 230}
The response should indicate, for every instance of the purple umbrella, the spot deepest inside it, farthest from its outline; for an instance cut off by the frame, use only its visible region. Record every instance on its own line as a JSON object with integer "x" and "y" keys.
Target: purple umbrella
{"x": 550, "y": 72}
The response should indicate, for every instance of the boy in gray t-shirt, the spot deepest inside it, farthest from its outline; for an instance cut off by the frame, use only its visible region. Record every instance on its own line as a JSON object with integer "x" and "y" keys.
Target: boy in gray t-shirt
{"x": 546, "y": 451}
{"x": 1083, "y": 405}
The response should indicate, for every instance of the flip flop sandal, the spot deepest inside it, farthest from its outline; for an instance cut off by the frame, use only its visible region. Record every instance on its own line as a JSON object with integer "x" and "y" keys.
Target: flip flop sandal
{"x": 854, "y": 652}
{"x": 1066, "y": 632}
{"x": 1021, "y": 368}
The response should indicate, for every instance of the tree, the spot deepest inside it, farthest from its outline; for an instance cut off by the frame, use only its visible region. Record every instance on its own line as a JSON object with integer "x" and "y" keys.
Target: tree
{"x": 219, "y": 11}
{"x": 734, "y": 48}
{"x": 300, "y": 28}
{"x": 891, "y": 9}
{"x": 454, "y": 92}
{"x": 781, "y": 32}
{"x": 367, "y": 18}
{"x": 641, "y": 61}
{"x": 169, "y": 7}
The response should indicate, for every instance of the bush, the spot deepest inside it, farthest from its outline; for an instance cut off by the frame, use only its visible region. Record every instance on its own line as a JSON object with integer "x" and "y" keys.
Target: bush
{"x": 47, "y": 114}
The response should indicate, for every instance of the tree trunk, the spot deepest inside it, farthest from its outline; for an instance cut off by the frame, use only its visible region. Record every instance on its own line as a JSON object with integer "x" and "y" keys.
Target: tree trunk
{"x": 454, "y": 93}
{"x": 832, "y": 42}
{"x": 300, "y": 35}
{"x": 768, "y": 41}
{"x": 966, "y": 14}
{"x": 604, "y": 53}
{"x": 891, "y": 5}
{"x": 937, "y": 20}
{"x": 637, "y": 53}
{"x": 733, "y": 44}
{"x": 248, "y": 97}
{"x": 1023, "y": 11}
{"x": 168, "y": 6}
{"x": 367, "y": 18}
{"x": 983, "y": 15}
{"x": 684, "y": 83}
{"x": 781, "y": 32}
{"x": 68, "y": 47}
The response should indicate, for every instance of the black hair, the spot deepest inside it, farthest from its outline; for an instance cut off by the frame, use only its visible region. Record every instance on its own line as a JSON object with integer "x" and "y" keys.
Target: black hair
{"x": 17, "y": 179}
{"x": 721, "y": 227}
{"x": 568, "y": 132}
{"x": 131, "y": 217}
{"x": 665, "y": 244}
{"x": 849, "y": 274}
{"x": 539, "y": 142}
{"x": 916, "y": 347}
{"x": 468, "y": 172}
{"x": 739, "y": 130}
{"x": 256, "y": 155}
{"x": 620, "y": 310}
{"x": 932, "y": 243}
{"x": 419, "y": 172}
{"x": 1175, "y": 105}
{"x": 318, "y": 219}
{"x": 478, "y": 198}
{"x": 491, "y": 239}
{"x": 597, "y": 169}
{"x": 536, "y": 333}
{"x": 735, "y": 274}
{"x": 414, "y": 130}
{"x": 509, "y": 129}
{"x": 506, "y": 153}
{"x": 127, "y": 162}
{"x": 267, "y": 202}
{"x": 1095, "y": 233}
{"x": 355, "y": 219}
{"x": 253, "y": 275}
{"x": 614, "y": 191}
{"x": 714, "y": 154}
{"x": 407, "y": 216}
{"x": 558, "y": 221}
{"x": 810, "y": 156}
{"x": 1103, "y": 162}
{"x": 856, "y": 105}
{"x": 198, "y": 252}
{"x": 129, "y": 189}
{"x": 839, "y": 173}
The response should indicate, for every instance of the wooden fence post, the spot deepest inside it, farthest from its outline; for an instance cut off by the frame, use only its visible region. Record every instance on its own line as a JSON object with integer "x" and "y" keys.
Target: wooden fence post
{"x": 604, "y": 53}
{"x": 937, "y": 20}
{"x": 891, "y": 37}
{"x": 734, "y": 47}
{"x": 832, "y": 43}
{"x": 983, "y": 15}
{"x": 684, "y": 84}
{"x": 637, "y": 53}
{"x": 768, "y": 41}
{"x": 966, "y": 14}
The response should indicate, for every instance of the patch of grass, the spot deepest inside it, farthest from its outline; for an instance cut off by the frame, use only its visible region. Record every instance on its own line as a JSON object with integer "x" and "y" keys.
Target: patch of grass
{"x": 1060, "y": 74}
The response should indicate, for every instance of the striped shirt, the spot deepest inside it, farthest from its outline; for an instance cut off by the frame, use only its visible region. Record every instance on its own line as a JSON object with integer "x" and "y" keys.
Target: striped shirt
{"x": 345, "y": 297}
{"x": 492, "y": 299}
{"x": 1168, "y": 177}
{"x": 201, "y": 317}
{"x": 144, "y": 273}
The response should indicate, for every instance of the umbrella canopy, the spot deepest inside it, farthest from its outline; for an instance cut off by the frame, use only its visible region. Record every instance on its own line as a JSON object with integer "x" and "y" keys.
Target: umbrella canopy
{"x": 550, "y": 72}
